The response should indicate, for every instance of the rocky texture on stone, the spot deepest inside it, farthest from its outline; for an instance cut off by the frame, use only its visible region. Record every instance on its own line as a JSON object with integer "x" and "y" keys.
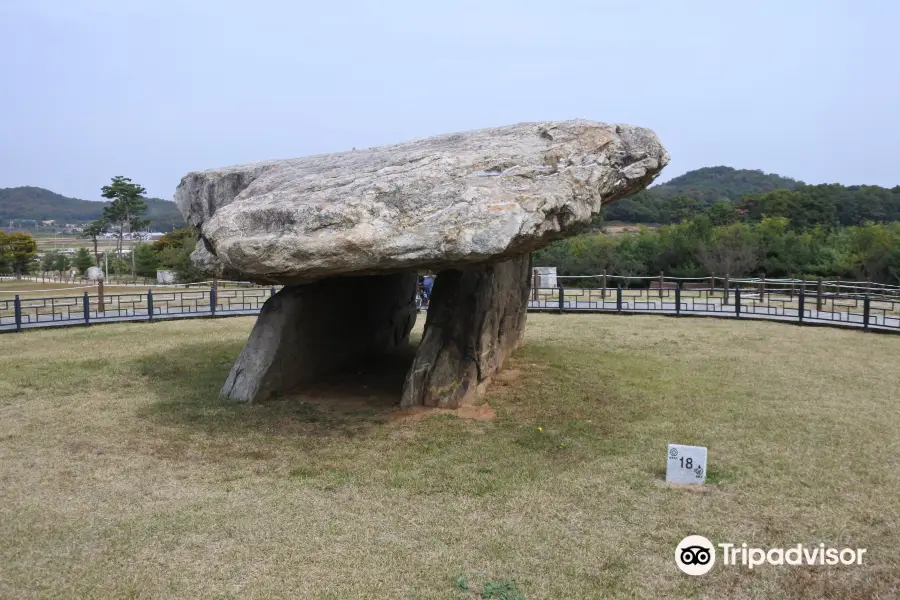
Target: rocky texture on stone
{"x": 476, "y": 319}
{"x": 471, "y": 206}
{"x": 445, "y": 201}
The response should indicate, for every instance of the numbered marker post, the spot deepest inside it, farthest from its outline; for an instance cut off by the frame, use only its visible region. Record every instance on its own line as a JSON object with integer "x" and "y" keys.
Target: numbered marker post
{"x": 686, "y": 464}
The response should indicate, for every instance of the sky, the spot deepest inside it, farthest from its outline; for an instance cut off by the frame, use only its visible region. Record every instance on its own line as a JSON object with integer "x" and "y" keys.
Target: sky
{"x": 154, "y": 89}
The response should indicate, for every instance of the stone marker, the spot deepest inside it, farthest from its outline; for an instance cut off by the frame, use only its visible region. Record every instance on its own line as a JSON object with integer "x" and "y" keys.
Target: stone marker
{"x": 686, "y": 464}
{"x": 545, "y": 277}
{"x": 347, "y": 232}
{"x": 166, "y": 276}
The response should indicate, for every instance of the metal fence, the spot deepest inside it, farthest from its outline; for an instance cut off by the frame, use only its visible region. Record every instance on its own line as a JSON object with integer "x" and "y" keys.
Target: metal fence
{"x": 23, "y": 312}
{"x": 846, "y": 304}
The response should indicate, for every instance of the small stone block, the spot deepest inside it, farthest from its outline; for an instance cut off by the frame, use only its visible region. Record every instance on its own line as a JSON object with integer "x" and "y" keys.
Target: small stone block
{"x": 686, "y": 464}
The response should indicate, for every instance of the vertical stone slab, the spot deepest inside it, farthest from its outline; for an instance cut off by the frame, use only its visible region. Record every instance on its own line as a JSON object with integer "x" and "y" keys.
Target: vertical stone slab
{"x": 305, "y": 332}
{"x": 475, "y": 320}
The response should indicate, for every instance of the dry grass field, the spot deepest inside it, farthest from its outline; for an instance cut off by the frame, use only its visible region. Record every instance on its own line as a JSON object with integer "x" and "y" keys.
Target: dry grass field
{"x": 124, "y": 477}
{"x": 48, "y": 242}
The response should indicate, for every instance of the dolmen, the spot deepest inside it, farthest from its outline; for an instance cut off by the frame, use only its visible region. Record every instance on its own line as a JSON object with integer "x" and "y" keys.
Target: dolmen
{"x": 346, "y": 235}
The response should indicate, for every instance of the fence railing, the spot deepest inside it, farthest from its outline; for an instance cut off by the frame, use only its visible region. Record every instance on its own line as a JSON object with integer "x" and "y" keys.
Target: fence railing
{"x": 778, "y": 300}
{"x": 23, "y": 312}
{"x": 858, "y": 306}
{"x": 789, "y": 285}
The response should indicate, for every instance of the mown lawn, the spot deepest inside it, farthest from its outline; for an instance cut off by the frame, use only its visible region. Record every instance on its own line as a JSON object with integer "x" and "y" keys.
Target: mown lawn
{"x": 124, "y": 477}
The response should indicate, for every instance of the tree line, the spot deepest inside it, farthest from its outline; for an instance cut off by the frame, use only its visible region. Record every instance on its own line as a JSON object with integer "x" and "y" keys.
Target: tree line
{"x": 125, "y": 212}
{"x": 17, "y": 253}
{"x": 734, "y": 222}
{"x": 171, "y": 252}
{"x": 829, "y": 205}
{"x": 700, "y": 246}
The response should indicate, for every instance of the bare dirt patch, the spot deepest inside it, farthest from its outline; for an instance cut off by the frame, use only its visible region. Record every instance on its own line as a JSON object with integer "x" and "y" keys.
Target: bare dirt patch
{"x": 481, "y": 412}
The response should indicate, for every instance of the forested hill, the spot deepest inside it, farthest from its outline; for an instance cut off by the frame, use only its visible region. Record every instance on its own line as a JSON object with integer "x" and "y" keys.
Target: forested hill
{"x": 714, "y": 184}
{"x": 43, "y": 205}
{"x": 720, "y": 190}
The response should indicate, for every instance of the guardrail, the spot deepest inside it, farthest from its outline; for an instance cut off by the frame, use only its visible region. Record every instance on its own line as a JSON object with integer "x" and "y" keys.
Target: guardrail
{"x": 758, "y": 300}
{"x": 22, "y": 312}
{"x": 738, "y": 300}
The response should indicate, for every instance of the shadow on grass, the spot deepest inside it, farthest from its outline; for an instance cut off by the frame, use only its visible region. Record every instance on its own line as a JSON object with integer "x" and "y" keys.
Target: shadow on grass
{"x": 186, "y": 381}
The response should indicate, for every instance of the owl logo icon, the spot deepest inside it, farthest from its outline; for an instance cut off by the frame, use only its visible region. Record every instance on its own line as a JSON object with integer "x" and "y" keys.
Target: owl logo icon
{"x": 695, "y": 555}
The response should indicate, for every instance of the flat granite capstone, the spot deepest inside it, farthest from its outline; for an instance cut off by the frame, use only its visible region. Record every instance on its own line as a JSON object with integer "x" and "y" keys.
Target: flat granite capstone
{"x": 440, "y": 202}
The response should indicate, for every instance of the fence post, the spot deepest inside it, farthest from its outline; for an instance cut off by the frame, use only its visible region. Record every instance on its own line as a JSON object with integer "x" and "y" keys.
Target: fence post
{"x": 866, "y": 310}
{"x": 619, "y": 298}
{"x": 660, "y": 284}
{"x": 725, "y": 293}
{"x": 150, "y": 305}
{"x": 737, "y": 301}
{"x": 535, "y": 282}
{"x": 87, "y": 309}
{"x": 801, "y": 301}
{"x": 677, "y": 298}
{"x": 603, "y": 288}
{"x": 819, "y": 291}
{"x": 17, "y": 309}
{"x": 712, "y": 284}
{"x": 100, "y": 307}
{"x": 562, "y": 297}
{"x": 791, "y": 296}
{"x": 271, "y": 291}
{"x": 212, "y": 299}
{"x": 762, "y": 286}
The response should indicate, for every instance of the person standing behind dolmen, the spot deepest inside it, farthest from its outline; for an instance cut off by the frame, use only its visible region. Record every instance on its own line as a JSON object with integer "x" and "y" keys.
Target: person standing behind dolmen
{"x": 427, "y": 284}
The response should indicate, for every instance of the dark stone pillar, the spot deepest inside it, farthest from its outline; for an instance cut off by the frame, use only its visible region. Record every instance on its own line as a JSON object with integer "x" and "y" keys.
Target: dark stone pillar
{"x": 476, "y": 318}
{"x": 307, "y": 331}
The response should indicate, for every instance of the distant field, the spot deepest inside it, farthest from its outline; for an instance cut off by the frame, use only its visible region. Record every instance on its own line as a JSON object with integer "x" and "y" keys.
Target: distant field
{"x": 61, "y": 242}
{"x": 123, "y": 476}
{"x": 619, "y": 228}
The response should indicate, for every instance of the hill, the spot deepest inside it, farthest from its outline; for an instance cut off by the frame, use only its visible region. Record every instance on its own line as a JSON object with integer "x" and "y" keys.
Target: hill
{"x": 713, "y": 184}
{"x": 726, "y": 194}
{"x": 43, "y": 205}
{"x": 686, "y": 194}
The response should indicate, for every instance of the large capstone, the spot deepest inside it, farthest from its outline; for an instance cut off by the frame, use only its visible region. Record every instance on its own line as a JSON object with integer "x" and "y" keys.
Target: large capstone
{"x": 471, "y": 206}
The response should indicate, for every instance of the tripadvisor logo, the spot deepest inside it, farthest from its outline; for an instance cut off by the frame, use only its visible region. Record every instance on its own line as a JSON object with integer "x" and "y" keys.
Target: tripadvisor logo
{"x": 696, "y": 555}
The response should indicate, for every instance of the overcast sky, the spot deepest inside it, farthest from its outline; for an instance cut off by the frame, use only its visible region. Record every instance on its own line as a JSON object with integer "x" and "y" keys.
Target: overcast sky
{"x": 153, "y": 89}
